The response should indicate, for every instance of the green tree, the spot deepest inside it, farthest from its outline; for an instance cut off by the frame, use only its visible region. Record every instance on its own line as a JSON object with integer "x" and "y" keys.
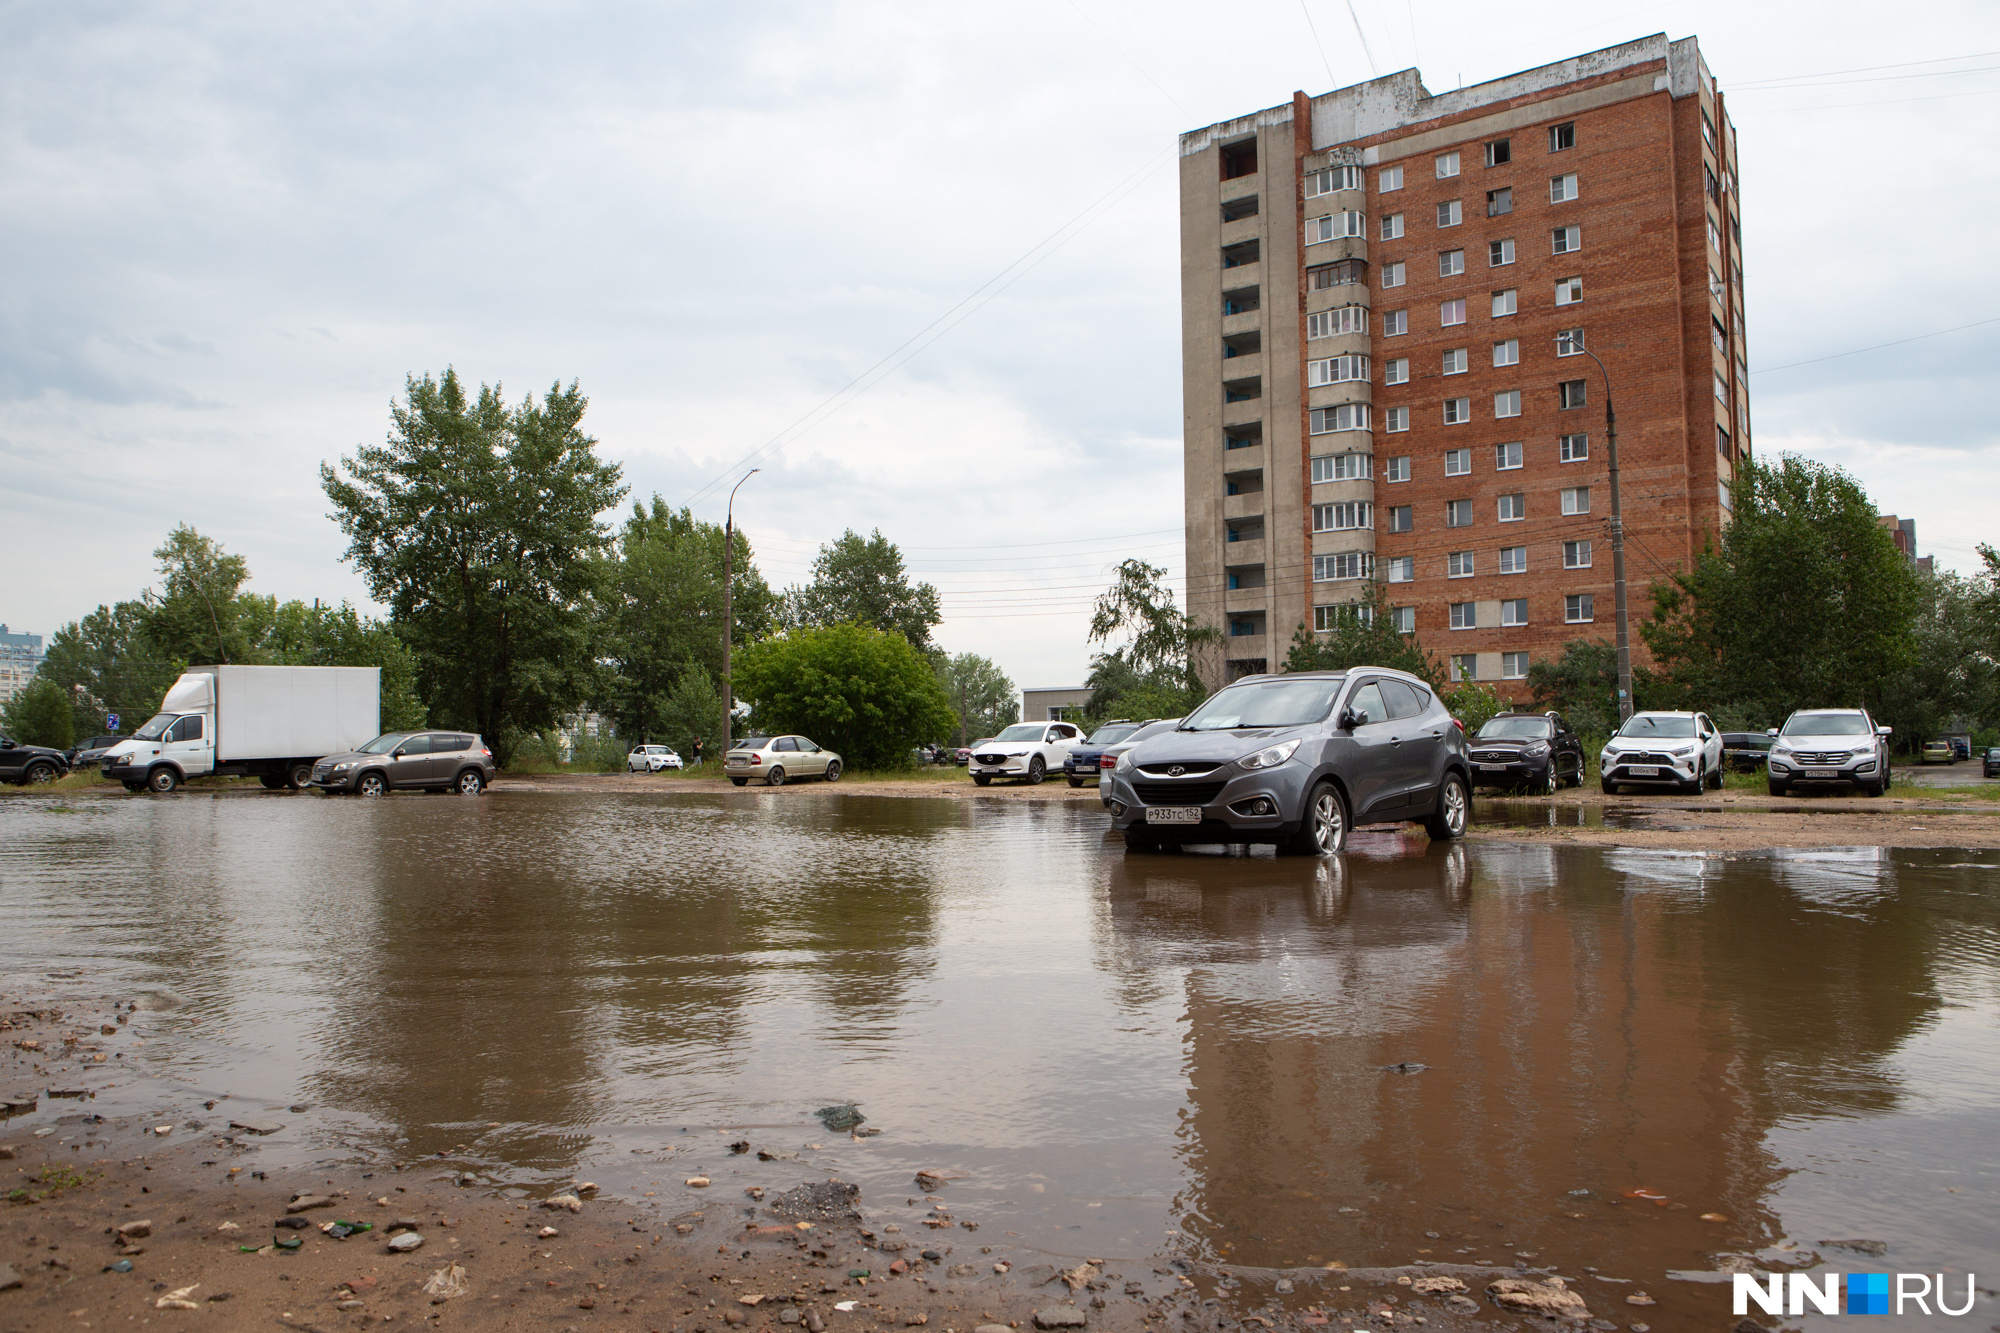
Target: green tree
{"x": 39, "y": 714}
{"x": 1807, "y": 603}
{"x": 1951, "y": 679}
{"x": 316, "y": 635}
{"x": 199, "y": 615}
{"x": 1119, "y": 689}
{"x": 106, "y": 663}
{"x": 693, "y": 708}
{"x": 1363, "y": 635}
{"x": 661, "y": 604}
{"x": 861, "y": 579}
{"x": 1582, "y": 685}
{"x": 1474, "y": 704}
{"x": 867, "y": 693}
{"x": 477, "y": 525}
{"x": 1154, "y": 673}
{"x": 981, "y": 694}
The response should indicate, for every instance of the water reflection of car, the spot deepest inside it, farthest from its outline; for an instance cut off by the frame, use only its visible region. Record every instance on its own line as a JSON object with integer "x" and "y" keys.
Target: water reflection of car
{"x": 1830, "y": 745}
{"x": 1684, "y": 749}
{"x": 1108, "y": 759}
{"x": 1990, "y": 765}
{"x": 1080, "y": 765}
{"x": 779, "y": 759}
{"x": 653, "y": 759}
{"x": 1936, "y": 752}
{"x": 1297, "y": 760}
{"x": 1026, "y": 750}
{"x": 91, "y": 752}
{"x": 435, "y": 761}
{"x": 1745, "y": 751}
{"x": 1533, "y": 750}
{"x": 25, "y": 764}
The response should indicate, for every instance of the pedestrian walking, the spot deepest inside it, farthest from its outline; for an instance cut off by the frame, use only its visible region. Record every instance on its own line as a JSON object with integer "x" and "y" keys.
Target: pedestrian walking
{"x": 697, "y": 751}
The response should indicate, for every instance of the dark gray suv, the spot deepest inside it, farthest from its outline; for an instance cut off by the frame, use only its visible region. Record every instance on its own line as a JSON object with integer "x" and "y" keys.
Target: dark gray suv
{"x": 1297, "y": 760}
{"x": 427, "y": 760}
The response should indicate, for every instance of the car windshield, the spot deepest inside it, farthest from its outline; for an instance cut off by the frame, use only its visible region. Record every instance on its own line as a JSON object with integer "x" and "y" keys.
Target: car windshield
{"x": 1023, "y": 731}
{"x": 1286, "y": 702}
{"x": 1113, "y": 733}
{"x": 1153, "y": 729}
{"x": 1826, "y": 724}
{"x": 1657, "y": 728}
{"x": 384, "y": 744}
{"x": 157, "y": 728}
{"x": 1514, "y": 729}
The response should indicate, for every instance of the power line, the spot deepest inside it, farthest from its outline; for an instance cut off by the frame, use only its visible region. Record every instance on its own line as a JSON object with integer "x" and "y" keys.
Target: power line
{"x": 1331, "y": 81}
{"x": 1841, "y": 106}
{"x": 1862, "y": 69}
{"x": 1130, "y": 61}
{"x": 1373, "y": 68}
{"x": 1835, "y": 356}
{"x": 1843, "y": 83}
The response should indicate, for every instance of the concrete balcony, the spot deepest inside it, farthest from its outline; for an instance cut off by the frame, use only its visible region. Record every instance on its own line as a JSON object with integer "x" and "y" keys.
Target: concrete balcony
{"x": 1242, "y": 506}
{"x": 1248, "y": 322}
{"x": 1239, "y": 601}
{"x": 1242, "y": 229}
{"x": 1249, "y": 551}
{"x": 1246, "y": 365}
{"x": 1243, "y": 275}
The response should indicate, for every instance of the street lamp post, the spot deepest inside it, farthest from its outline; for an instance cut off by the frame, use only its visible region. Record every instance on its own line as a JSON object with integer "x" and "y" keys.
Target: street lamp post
{"x": 728, "y": 616}
{"x": 1617, "y": 536}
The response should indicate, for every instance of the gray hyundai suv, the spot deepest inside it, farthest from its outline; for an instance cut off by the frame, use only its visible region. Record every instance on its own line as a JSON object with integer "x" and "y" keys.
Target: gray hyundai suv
{"x": 1297, "y": 760}
{"x": 1829, "y": 745}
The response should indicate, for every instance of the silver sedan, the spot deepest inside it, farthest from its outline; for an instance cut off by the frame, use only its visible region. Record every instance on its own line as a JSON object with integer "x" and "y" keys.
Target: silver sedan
{"x": 779, "y": 759}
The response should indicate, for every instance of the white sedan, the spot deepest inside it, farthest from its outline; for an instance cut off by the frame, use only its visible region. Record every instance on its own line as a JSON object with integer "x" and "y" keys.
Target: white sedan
{"x": 1682, "y": 748}
{"x": 652, "y": 758}
{"x": 1026, "y": 750}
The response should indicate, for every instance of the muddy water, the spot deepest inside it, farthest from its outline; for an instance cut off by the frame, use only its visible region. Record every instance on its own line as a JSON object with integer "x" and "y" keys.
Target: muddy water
{"x": 1125, "y": 1055}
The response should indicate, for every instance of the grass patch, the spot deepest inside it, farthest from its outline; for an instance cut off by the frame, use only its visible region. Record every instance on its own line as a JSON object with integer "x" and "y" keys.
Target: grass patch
{"x": 52, "y": 1181}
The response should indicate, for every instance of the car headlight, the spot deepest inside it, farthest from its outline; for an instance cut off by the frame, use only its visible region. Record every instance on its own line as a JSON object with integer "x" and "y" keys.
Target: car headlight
{"x": 1684, "y": 749}
{"x": 1864, "y": 749}
{"x": 1781, "y": 751}
{"x": 1270, "y": 756}
{"x": 1536, "y": 751}
{"x": 1124, "y": 763}
{"x": 342, "y": 768}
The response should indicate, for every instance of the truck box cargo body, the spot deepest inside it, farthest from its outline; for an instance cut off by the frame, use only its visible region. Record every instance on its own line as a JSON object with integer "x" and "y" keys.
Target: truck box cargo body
{"x": 270, "y": 722}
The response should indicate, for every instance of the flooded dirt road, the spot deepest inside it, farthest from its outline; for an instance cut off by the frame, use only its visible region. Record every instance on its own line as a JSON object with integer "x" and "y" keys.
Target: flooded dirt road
{"x": 1633, "y": 1064}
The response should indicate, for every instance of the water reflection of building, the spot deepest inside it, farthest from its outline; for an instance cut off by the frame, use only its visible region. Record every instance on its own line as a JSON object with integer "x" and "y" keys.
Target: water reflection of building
{"x": 1587, "y": 1022}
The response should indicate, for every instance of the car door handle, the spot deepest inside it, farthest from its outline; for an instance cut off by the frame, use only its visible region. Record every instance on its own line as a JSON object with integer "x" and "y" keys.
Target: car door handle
{"x": 1395, "y": 740}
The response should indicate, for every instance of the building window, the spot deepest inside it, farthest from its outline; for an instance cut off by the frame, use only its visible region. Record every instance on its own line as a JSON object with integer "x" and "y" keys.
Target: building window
{"x": 1564, "y": 240}
{"x": 1714, "y": 236}
{"x": 1240, "y": 628}
{"x": 1451, "y": 263}
{"x": 1722, "y": 497}
{"x": 1401, "y": 518}
{"x": 1400, "y": 569}
{"x": 1569, "y": 342}
{"x": 1395, "y": 323}
{"x": 1562, "y": 137}
{"x": 1722, "y": 442}
{"x": 1576, "y": 555}
{"x": 1328, "y": 179}
{"x": 1447, "y": 165}
{"x": 1403, "y": 619}
{"x": 1572, "y": 393}
{"x": 1504, "y": 302}
{"x": 1498, "y": 202}
{"x": 1507, "y": 457}
{"x": 1457, "y": 462}
{"x": 1499, "y": 254}
{"x": 1346, "y": 565}
{"x": 1562, "y": 189}
{"x": 1569, "y": 291}
{"x": 1340, "y": 467}
{"x": 1396, "y": 420}
{"x": 1457, "y": 411}
{"x": 1451, "y": 312}
{"x": 1578, "y": 608}
{"x": 1392, "y": 274}
{"x": 1328, "y": 323}
{"x": 1397, "y": 468}
{"x": 1348, "y": 416}
{"x": 1572, "y": 448}
{"x": 1396, "y": 371}
{"x": 1336, "y": 370}
{"x": 1449, "y": 213}
{"x": 1500, "y": 152}
{"x": 1513, "y": 508}
{"x": 1513, "y": 560}
{"x": 1514, "y": 666}
{"x": 1392, "y": 227}
{"x": 1322, "y": 276}
{"x": 1458, "y": 514}
{"x": 1576, "y": 500}
{"x": 1334, "y": 227}
{"x": 1721, "y": 388}
{"x": 1346, "y": 516}
{"x": 1507, "y": 353}
{"x": 1464, "y": 667}
{"x": 1465, "y": 615}
{"x": 1513, "y": 612}
{"x": 1388, "y": 180}
{"x": 1507, "y": 403}
{"x": 1454, "y": 361}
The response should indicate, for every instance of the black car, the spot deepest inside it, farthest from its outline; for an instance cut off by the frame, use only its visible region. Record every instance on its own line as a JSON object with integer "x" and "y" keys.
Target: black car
{"x": 1533, "y": 750}
{"x": 1991, "y": 766}
{"x": 1080, "y": 765}
{"x": 1746, "y": 751}
{"x": 91, "y": 751}
{"x": 23, "y": 764}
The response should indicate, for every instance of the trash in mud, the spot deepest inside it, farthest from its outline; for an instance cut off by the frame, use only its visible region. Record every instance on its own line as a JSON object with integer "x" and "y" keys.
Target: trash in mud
{"x": 446, "y": 1283}
{"x": 177, "y": 1300}
{"x": 1405, "y": 1067}
{"x": 693, "y": 1182}
{"x": 288, "y": 1242}
{"x": 404, "y": 1243}
{"x": 928, "y": 1180}
{"x": 740, "y": 1146}
{"x": 341, "y": 1229}
{"x": 256, "y": 1126}
{"x": 1549, "y": 1298}
{"x": 122, "y": 1266}
{"x": 776, "y": 1155}
{"x": 292, "y": 1223}
{"x": 844, "y": 1116}
{"x": 575, "y": 1205}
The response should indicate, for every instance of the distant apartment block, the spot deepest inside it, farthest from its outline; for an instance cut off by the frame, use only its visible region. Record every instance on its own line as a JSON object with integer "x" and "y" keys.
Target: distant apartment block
{"x": 20, "y": 658}
{"x": 1387, "y": 296}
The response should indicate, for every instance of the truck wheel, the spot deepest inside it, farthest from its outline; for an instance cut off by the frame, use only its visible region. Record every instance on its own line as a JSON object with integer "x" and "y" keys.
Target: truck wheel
{"x": 470, "y": 782}
{"x": 1454, "y": 807}
{"x": 163, "y": 779}
{"x": 299, "y": 777}
{"x": 372, "y": 784}
{"x": 272, "y": 781}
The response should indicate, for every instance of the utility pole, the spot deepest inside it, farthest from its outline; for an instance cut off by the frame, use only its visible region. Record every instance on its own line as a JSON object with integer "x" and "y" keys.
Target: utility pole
{"x": 728, "y": 614}
{"x": 1617, "y": 538}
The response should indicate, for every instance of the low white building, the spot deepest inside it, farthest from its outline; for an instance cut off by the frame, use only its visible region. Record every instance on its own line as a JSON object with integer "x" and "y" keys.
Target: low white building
{"x": 20, "y": 658}
{"x": 1054, "y": 703}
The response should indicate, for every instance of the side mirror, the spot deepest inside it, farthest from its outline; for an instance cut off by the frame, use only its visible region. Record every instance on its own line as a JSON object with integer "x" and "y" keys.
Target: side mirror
{"x": 1349, "y": 719}
{"x": 1770, "y": 731}
{"x": 1884, "y": 731}
{"x": 398, "y": 754}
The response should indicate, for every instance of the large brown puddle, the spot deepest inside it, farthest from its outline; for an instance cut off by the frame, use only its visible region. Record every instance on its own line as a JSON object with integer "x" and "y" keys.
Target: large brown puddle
{"x": 1160, "y": 1055}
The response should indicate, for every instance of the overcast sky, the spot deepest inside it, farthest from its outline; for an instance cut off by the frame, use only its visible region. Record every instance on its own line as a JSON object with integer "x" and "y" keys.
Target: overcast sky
{"x": 230, "y": 230}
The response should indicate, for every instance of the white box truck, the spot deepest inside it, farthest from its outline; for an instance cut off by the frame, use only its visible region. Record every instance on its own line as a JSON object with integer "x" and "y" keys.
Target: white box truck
{"x": 268, "y": 722}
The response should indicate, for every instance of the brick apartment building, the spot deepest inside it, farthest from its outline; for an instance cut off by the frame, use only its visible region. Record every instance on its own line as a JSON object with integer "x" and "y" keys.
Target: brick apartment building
{"x": 1385, "y": 299}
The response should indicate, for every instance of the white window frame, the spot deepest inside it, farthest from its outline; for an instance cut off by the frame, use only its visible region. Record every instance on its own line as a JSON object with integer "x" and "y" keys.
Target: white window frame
{"x": 1517, "y": 609}
{"x": 1507, "y": 353}
{"x": 1452, "y": 512}
{"x": 1512, "y": 507}
{"x": 1457, "y": 411}
{"x": 1500, "y": 253}
{"x": 1450, "y": 213}
{"x": 1396, "y": 370}
{"x": 1395, "y": 420}
{"x": 1579, "y": 608}
{"x": 1463, "y": 667}
{"x": 1721, "y": 388}
{"x": 1451, "y": 263}
{"x": 1557, "y": 133}
{"x": 1333, "y": 420}
{"x": 1403, "y": 619}
{"x": 1347, "y": 369}
{"x": 1446, "y": 164}
{"x": 1563, "y": 188}
{"x": 1565, "y": 240}
{"x": 1573, "y": 448}
{"x": 1513, "y": 560}
{"x": 1396, "y": 469}
{"x": 1392, "y": 226}
{"x": 1402, "y": 569}
{"x": 1388, "y": 180}
{"x": 1395, "y": 323}
{"x": 1506, "y": 302}
{"x": 1514, "y": 666}
{"x": 1506, "y": 403}
{"x": 1569, "y": 291}
{"x": 1570, "y": 342}
{"x": 1351, "y": 466}
{"x": 1409, "y": 519}
{"x": 1344, "y": 516}
{"x": 1575, "y": 501}
{"x": 1464, "y": 615}
{"x": 1394, "y": 275}
{"x": 1337, "y": 321}
{"x": 1503, "y": 452}
{"x": 1455, "y": 361}
{"x": 1451, "y": 314}
{"x": 1458, "y": 462}
{"x": 1576, "y": 554}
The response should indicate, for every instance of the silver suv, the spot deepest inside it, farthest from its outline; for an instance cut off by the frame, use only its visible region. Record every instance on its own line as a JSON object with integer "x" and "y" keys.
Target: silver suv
{"x": 1830, "y": 745}
{"x": 1297, "y": 760}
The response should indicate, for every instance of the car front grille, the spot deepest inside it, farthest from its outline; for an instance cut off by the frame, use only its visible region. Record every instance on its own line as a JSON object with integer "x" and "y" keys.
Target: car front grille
{"x": 1189, "y": 767}
{"x": 1822, "y": 758}
{"x": 1177, "y": 793}
{"x": 991, "y": 758}
{"x": 1497, "y": 756}
{"x": 1657, "y": 759}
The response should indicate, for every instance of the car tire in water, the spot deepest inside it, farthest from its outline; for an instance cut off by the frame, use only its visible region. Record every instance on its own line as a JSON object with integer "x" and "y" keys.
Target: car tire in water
{"x": 1607, "y": 786}
{"x": 471, "y": 782}
{"x": 775, "y": 778}
{"x": 163, "y": 779}
{"x": 1549, "y": 782}
{"x": 1323, "y": 827}
{"x": 371, "y": 784}
{"x": 1036, "y": 771}
{"x": 981, "y": 779}
{"x": 1454, "y": 809}
{"x": 833, "y": 771}
{"x": 739, "y": 782}
{"x": 1137, "y": 839}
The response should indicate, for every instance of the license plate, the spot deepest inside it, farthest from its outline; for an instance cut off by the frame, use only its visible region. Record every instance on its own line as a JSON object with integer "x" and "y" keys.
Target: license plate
{"x": 1493, "y": 768}
{"x": 1643, "y": 771}
{"x": 1173, "y": 814}
{"x": 1822, "y": 772}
